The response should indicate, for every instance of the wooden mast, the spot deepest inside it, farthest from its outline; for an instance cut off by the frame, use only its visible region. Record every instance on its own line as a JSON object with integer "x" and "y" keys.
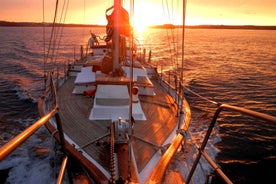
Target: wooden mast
{"x": 116, "y": 34}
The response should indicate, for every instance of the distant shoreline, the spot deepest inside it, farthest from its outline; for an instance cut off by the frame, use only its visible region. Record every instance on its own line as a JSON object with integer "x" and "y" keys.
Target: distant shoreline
{"x": 170, "y": 26}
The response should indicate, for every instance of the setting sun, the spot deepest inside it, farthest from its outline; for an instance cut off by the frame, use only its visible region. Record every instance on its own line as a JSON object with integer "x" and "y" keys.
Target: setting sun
{"x": 145, "y": 17}
{"x": 148, "y": 12}
{"x": 140, "y": 27}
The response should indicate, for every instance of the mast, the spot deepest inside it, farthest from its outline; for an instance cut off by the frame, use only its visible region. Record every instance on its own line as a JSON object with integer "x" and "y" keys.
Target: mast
{"x": 116, "y": 34}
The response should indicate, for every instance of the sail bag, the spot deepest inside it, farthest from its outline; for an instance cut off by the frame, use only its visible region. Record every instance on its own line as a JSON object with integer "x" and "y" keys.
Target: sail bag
{"x": 124, "y": 27}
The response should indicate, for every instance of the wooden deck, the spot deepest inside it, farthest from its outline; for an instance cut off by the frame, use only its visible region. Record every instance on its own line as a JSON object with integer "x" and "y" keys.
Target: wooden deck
{"x": 93, "y": 136}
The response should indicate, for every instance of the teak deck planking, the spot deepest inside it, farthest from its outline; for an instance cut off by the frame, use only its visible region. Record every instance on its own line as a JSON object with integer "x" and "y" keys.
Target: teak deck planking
{"x": 93, "y": 136}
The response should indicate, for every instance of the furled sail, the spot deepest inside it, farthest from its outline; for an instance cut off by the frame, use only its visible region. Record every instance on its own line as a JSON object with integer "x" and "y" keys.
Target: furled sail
{"x": 124, "y": 27}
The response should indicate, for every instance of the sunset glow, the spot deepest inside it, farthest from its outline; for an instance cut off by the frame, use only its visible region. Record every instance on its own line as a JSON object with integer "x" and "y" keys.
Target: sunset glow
{"x": 147, "y": 12}
{"x": 145, "y": 18}
{"x": 140, "y": 28}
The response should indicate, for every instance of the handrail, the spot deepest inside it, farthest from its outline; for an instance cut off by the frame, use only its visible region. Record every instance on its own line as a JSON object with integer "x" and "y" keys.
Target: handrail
{"x": 211, "y": 126}
{"x": 6, "y": 149}
{"x": 216, "y": 167}
{"x": 252, "y": 113}
{"x": 62, "y": 170}
{"x": 9, "y": 147}
{"x": 160, "y": 169}
{"x": 241, "y": 110}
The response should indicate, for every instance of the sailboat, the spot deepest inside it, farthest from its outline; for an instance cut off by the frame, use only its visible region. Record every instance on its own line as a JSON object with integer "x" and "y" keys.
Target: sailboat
{"x": 116, "y": 118}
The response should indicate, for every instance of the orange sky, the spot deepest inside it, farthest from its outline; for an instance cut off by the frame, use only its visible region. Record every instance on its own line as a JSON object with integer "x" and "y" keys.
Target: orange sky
{"x": 226, "y": 12}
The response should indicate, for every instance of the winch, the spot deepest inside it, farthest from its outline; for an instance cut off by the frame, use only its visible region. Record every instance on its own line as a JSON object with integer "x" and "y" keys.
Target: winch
{"x": 121, "y": 129}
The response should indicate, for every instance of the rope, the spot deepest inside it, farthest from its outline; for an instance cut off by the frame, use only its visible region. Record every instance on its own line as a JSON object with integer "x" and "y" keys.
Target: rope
{"x": 202, "y": 97}
{"x": 112, "y": 158}
{"x": 129, "y": 157}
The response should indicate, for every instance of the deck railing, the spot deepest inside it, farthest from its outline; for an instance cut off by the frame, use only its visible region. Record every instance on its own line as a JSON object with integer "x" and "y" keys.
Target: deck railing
{"x": 9, "y": 147}
{"x": 174, "y": 89}
{"x": 14, "y": 143}
{"x": 201, "y": 151}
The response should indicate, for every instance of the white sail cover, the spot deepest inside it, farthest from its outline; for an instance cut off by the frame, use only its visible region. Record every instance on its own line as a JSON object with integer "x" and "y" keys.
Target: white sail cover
{"x": 112, "y": 102}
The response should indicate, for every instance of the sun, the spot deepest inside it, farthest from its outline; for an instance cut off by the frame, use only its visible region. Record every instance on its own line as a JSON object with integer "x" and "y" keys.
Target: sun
{"x": 140, "y": 27}
{"x": 145, "y": 17}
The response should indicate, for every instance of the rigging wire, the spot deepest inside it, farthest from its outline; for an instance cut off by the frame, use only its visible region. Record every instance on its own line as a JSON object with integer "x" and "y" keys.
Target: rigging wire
{"x": 84, "y": 18}
{"x": 131, "y": 86}
{"x": 183, "y": 37}
{"x": 84, "y": 12}
{"x": 183, "y": 53}
{"x": 58, "y": 33}
{"x": 50, "y": 56}
{"x": 44, "y": 43}
{"x": 52, "y": 31}
{"x": 168, "y": 37}
{"x": 167, "y": 10}
{"x": 66, "y": 3}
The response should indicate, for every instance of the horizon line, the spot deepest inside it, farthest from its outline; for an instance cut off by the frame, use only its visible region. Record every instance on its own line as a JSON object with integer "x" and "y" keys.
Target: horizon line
{"x": 14, "y": 23}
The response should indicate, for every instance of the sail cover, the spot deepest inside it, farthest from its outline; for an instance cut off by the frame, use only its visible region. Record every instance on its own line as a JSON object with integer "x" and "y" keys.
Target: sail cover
{"x": 124, "y": 26}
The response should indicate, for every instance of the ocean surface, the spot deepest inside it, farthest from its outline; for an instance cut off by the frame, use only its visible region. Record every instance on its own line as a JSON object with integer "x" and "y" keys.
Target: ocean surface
{"x": 237, "y": 67}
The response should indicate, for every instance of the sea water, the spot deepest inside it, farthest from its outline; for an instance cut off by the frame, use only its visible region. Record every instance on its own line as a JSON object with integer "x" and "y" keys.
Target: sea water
{"x": 236, "y": 67}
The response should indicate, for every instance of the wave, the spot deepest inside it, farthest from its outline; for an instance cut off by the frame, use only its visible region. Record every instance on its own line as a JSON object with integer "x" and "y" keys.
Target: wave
{"x": 24, "y": 94}
{"x": 229, "y": 71}
{"x": 32, "y": 164}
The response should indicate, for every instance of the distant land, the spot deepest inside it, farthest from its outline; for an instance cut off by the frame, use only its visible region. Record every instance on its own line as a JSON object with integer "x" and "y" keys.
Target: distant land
{"x": 34, "y": 24}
